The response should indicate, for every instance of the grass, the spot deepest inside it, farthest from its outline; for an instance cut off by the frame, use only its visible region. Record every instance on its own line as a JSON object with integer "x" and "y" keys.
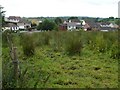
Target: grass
{"x": 52, "y": 67}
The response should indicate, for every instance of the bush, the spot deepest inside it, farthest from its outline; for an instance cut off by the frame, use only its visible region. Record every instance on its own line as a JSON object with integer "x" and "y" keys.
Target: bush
{"x": 57, "y": 40}
{"x": 42, "y": 38}
{"x": 101, "y": 43}
{"x": 115, "y": 51}
{"x": 28, "y": 44}
{"x": 6, "y": 34}
{"x": 46, "y": 25}
{"x": 73, "y": 44}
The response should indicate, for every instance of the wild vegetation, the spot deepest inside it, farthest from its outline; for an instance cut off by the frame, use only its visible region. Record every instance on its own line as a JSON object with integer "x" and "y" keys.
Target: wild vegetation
{"x": 63, "y": 60}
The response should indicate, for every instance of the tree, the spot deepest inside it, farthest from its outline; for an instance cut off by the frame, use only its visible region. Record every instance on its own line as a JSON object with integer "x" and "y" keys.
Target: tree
{"x": 2, "y": 21}
{"x": 118, "y": 22}
{"x": 46, "y": 25}
{"x": 70, "y": 18}
{"x": 112, "y": 18}
{"x": 58, "y": 20}
{"x": 33, "y": 25}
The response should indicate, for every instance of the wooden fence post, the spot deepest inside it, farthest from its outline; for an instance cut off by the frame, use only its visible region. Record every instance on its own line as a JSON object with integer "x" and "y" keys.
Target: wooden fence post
{"x": 15, "y": 63}
{"x": 14, "y": 58}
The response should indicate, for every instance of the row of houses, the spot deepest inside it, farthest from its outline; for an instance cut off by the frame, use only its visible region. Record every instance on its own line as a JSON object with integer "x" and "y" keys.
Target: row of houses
{"x": 16, "y": 23}
{"x": 87, "y": 25}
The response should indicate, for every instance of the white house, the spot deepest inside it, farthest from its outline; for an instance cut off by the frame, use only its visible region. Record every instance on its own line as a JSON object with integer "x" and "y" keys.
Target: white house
{"x": 113, "y": 25}
{"x": 20, "y": 22}
{"x": 71, "y": 25}
{"x": 10, "y": 26}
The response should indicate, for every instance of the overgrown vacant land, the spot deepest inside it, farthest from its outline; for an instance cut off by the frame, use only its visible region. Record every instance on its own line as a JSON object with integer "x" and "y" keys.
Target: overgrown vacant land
{"x": 63, "y": 60}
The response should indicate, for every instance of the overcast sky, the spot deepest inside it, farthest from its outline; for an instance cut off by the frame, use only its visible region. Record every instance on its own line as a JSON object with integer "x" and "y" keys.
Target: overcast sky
{"x": 36, "y": 8}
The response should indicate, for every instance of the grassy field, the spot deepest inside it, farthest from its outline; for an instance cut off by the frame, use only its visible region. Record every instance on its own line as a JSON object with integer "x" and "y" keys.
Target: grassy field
{"x": 63, "y": 60}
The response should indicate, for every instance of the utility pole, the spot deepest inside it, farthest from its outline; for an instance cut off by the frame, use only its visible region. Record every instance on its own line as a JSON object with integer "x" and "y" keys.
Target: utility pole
{"x": 0, "y": 47}
{"x": 1, "y": 15}
{"x": 119, "y": 9}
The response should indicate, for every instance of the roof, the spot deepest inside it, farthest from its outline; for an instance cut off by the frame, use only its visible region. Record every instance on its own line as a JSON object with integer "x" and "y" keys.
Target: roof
{"x": 86, "y": 26}
{"x": 92, "y": 24}
{"x": 20, "y": 20}
{"x": 73, "y": 24}
{"x": 105, "y": 23}
{"x": 14, "y": 17}
{"x": 63, "y": 24}
{"x": 107, "y": 28}
{"x": 10, "y": 25}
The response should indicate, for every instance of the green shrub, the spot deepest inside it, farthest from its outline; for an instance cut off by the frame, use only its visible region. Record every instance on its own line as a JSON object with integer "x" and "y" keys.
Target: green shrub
{"x": 73, "y": 44}
{"x": 5, "y": 36}
{"x": 56, "y": 41}
{"x": 115, "y": 51}
{"x": 42, "y": 38}
{"x": 28, "y": 44}
{"x": 101, "y": 43}
{"x": 46, "y": 38}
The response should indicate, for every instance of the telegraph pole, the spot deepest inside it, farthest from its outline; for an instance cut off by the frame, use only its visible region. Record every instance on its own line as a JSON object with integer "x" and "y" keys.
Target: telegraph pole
{"x": 0, "y": 46}
{"x": 1, "y": 17}
{"x": 1, "y": 14}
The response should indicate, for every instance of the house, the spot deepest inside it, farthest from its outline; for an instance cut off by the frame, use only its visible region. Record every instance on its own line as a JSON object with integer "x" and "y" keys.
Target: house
{"x": 22, "y": 23}
{"x": 113, "y": 25}
{"x": 71, "y": 25}
{"x": 87, "y": 27}
{"x": 107, "y": 29}
{"x": 106, "y": 26}
{"x": 14, "y": 19}
{"x": 11, "y": 26}
{"x": 91, "y": 25}
{"x": 63, "y": 27}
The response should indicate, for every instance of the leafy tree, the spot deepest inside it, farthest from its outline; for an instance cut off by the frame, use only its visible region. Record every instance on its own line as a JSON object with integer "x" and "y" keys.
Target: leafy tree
{"x": 3, "y": 21}
{"x": 46, "y": 25}
{"x": 70, "y": 18}
{"x": 118, "y": 22}
{"x": 111, "y": 18}
{"x": 33, "y": 25}
{"x": 58, "y": 20}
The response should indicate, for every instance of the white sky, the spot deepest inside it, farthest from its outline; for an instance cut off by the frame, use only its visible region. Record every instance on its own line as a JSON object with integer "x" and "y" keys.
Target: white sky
{"x": 37, "y": 8}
